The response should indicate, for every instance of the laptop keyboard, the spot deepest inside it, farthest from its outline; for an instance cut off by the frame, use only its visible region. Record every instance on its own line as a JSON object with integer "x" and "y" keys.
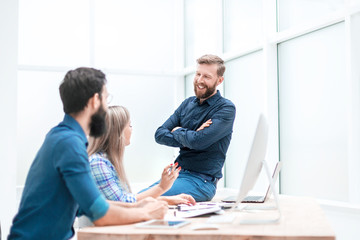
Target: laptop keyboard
{"x": 253, "y": 199}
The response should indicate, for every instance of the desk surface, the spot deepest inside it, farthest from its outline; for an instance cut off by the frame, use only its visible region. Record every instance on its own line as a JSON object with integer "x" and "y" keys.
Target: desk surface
{"x": 302, "y": 218}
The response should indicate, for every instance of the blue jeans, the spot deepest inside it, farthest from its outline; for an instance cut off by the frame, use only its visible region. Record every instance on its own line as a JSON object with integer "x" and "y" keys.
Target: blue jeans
{"x": 201, "y": 190}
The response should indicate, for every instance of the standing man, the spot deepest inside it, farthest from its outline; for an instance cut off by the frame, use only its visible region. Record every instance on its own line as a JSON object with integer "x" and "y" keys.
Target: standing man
{"x": 201, "y": 127}
{"x": 59, "y": 182}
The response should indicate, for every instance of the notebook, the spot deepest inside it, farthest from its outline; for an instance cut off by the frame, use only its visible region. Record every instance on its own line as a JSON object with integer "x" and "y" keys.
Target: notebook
{"x": 257, "y": 199}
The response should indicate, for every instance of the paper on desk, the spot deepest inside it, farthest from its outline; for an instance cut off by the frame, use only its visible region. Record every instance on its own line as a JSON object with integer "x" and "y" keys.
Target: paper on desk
{"x": 197, "y": 206}
{"x": 197, "y": 212}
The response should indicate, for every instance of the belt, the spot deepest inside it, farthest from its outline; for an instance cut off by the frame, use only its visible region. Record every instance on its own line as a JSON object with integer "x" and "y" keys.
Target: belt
{"x": 203, "y": 176}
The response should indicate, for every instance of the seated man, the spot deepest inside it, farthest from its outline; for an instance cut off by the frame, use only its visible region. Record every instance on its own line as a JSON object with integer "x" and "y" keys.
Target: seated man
{"x": 201, "y": 127}
{"x": 59, "y": 182}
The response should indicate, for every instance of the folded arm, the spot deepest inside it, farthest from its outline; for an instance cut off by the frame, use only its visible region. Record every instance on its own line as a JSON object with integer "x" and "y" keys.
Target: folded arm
{"x": 221, "y": 125}
{"x": 163, "y": 134}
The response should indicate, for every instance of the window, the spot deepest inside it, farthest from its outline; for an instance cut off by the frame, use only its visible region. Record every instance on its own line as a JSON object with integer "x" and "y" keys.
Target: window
{"x": 242, "y": 24}
{"x": 295, "y": 12}
{"x": 203, "y": 29}
{"x": 246, "y": 89}
{"x": 313, "y": 114}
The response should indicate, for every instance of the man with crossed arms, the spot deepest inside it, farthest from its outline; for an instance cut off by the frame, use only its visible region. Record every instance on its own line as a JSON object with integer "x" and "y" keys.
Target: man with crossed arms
{"x": 201, "y": 127}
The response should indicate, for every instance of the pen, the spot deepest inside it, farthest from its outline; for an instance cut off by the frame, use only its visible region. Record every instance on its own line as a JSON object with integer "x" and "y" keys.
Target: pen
{"x": 172, "y": 166}
{"x": 170, "y": 169}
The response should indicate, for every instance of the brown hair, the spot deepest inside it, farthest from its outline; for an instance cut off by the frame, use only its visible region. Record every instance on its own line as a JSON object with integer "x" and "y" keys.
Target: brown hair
{"x": 213, "y": 59}
{"x": 112, "y": 142}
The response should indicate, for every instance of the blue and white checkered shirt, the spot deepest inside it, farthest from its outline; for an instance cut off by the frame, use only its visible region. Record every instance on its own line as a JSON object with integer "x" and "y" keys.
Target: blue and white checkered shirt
{"x": 107, "y": 180}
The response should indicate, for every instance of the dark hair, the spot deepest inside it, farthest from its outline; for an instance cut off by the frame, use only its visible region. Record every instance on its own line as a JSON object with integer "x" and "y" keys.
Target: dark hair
{"x": 79, "y": 86}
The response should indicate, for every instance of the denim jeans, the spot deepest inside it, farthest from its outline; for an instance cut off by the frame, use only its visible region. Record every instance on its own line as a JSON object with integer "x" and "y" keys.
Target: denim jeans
{"x": 201, "y": 190}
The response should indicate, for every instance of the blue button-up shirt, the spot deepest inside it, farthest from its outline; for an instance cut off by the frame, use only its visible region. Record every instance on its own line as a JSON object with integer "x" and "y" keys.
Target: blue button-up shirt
{"x": 201, "y": 151}
{"x": 58, "y": 183}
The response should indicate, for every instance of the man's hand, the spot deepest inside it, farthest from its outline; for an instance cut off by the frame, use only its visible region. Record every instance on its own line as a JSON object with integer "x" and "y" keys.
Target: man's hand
{"x": 146, "y": 209}
{"x": 155, "y": 210}
{"x": 144, "y": 202}
{"x": 204, "y": 125}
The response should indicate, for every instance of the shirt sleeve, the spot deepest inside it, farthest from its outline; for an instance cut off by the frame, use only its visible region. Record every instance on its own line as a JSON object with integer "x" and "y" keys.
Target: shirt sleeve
{"x": 72, "y": 164}
{"x": 163, "y": 134}
{"x": 222, "y": 125}
{"x": 108, "y": 182}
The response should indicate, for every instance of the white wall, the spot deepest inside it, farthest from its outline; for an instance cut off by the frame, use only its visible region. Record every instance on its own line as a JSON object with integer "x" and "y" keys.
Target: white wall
{"x": 8, "y": 100}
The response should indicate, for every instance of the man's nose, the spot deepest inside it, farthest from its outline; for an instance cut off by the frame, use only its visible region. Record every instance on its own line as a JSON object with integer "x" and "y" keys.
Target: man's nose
{"x": 200, "y": 79}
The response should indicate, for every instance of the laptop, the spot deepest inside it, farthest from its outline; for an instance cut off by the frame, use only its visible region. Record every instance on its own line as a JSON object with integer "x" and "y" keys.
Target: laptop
{"x": 257, "y": 199}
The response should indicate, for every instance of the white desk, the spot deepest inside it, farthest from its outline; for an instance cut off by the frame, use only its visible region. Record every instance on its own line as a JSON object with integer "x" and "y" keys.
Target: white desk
{"x": 302, "y": 218}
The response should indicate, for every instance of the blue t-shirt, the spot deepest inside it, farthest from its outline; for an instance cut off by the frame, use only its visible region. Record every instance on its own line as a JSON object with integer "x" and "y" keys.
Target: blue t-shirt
{"x": 59, "y": 182}
{"x": 200, "y": 151}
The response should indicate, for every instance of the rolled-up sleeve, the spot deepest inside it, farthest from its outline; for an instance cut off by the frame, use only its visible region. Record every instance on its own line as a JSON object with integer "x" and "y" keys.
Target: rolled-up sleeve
{"x": 74, "y": 167}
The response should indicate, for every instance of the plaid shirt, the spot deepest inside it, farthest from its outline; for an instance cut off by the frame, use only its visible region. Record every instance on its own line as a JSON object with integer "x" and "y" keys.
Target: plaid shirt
{"x": 107, "y": 179}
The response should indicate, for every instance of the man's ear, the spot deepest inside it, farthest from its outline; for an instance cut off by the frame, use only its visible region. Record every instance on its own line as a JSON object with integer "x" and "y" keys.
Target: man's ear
{"x": 221, "y": 79}
{"x": 94, "y": 102}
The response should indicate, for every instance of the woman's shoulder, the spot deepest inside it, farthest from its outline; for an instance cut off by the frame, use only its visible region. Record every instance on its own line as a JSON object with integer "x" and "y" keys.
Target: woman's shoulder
{"x": 100, "y": 163}
{"x": 99, "y": 158}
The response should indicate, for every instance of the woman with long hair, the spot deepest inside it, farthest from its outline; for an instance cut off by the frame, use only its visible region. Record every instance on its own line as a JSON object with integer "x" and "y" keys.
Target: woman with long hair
{"x": 106, "y": 162}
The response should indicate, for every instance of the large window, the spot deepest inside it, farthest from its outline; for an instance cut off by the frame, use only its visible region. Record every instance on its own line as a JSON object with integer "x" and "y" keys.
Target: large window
{"x": 313, "y": 116}
{"x": 203, "y": 29}
{"x": 137, "y": 40}
{"x": 150, "y": 102}
{"x": 301, "y": 75}
{"x": 299, "y": 12}
{"x": 246, "y": 89}
{"x": 49, "y": 36}
{"x": 242, "y": 25}
{"x": 313, "y": 97}
{"x": 296, "y": 61}
{"x": 39, "y": 109}
{"x": 133, "y": 42}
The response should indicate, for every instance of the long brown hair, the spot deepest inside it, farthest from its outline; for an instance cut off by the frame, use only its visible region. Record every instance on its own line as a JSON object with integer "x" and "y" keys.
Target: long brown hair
{"x": 112, "y": 142}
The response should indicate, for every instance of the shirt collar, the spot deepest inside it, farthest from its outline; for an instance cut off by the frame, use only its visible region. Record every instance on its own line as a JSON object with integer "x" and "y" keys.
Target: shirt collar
{"x": 212, "y": 99}
{"x": 74, "y": 125}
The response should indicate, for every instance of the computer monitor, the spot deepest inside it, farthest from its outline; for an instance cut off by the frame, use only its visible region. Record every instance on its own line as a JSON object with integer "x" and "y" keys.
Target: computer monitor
{"x": 255, "y": 160}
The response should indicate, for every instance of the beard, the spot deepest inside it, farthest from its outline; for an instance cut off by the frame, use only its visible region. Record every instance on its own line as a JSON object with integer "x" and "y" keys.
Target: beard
{"x": 209, "y": 91}
{"x": 98, "y": 123}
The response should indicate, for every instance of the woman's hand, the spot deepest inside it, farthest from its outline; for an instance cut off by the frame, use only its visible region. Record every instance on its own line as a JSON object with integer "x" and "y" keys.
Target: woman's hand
{"x": 179, "y": 199}
{"x": 168, "y": 176}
